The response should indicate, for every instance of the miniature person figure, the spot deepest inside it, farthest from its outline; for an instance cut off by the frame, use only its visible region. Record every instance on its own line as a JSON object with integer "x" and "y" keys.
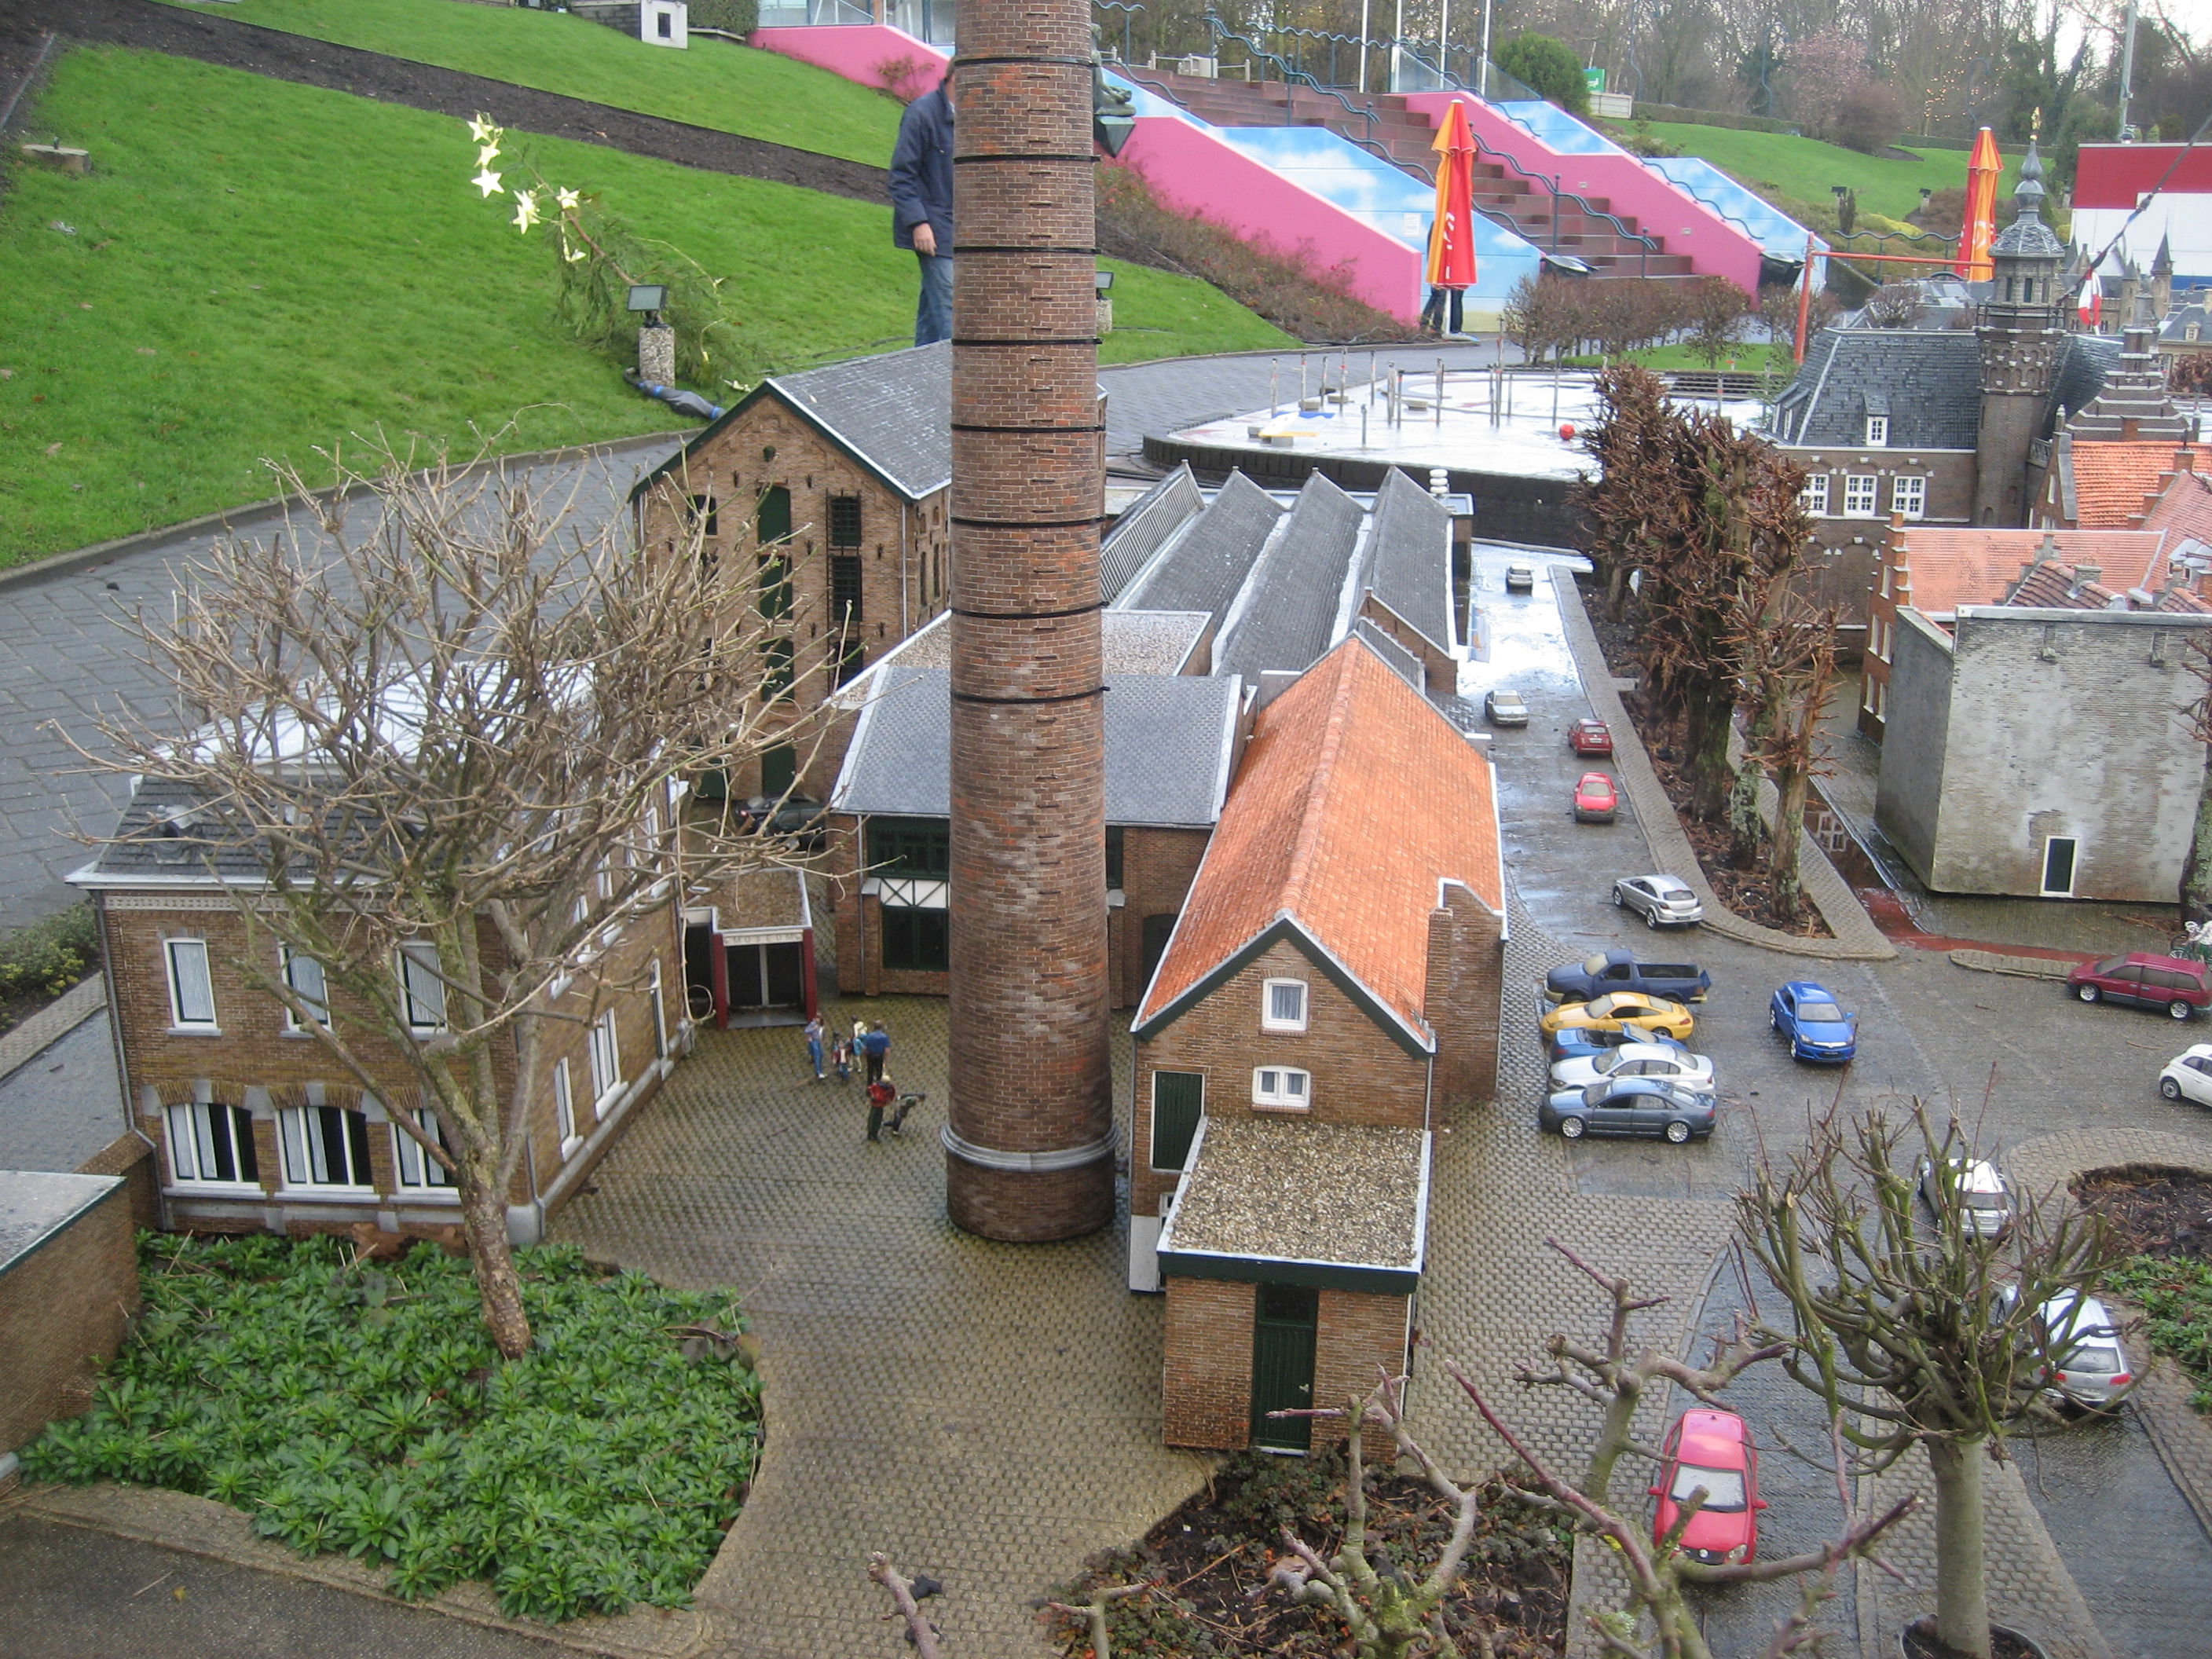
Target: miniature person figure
{"x": 841, "y": 1057}
{"x": 814, "y": 1034}
{"x": 880, "y": 1094}
{"x": 876, "y": 1048}
{"x": 921, "y": 206}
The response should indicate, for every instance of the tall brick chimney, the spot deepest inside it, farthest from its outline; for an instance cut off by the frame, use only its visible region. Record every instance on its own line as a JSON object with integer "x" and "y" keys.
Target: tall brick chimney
{"x": 1030, "y": 1140}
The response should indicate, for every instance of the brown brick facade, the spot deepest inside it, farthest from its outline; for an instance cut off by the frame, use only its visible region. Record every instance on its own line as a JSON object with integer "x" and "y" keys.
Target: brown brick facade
{"x": 1358, "y": 1339}
{"x": 63, "y": 1309}
{"x": 1207, "y": 1375}
{"x": 254, "y": 1061}
{"x": 1464, "y": 999}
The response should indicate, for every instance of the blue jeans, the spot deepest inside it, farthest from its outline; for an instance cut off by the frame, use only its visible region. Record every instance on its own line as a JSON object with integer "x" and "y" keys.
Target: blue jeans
{"x": 933, "y": 316}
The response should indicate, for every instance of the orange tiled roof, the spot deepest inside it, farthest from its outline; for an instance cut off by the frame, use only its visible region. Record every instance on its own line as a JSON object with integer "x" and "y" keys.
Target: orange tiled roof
{"x": 1952, "y": 567}
{"x": 2111, "y": 481}
{"x": 1355, "y": 799}
{"x": 2185, "y": 509}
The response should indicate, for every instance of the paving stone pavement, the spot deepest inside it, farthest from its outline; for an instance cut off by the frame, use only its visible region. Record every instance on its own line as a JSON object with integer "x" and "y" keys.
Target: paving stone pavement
{"x": 989, "y": 1413}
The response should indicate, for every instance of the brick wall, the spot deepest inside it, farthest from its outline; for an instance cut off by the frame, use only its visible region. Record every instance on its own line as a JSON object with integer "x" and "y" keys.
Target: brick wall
{"x": 63, "y": 1309}
{"x": 1360, "y": 1074}
{"x": 1841, "y": 569}
{"x": 134, "y": 1160}
{"x": 1158, "y": 867}
{"x": 1207, "y": 1384}
{"x": 257, "y": 1063}
{"x": 1357, "y": 1334}
{"x": 1464, "y": 995}
{"x": 1439, "y": 670}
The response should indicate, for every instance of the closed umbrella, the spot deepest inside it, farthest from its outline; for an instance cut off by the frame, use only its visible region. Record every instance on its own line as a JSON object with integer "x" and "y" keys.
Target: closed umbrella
{"x": 1450, "y": 269}
{"x": 1980, "y": 229}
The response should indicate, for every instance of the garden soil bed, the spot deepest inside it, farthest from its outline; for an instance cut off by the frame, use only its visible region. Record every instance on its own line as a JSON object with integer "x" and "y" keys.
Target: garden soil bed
{"x": 1744, "y": 891}
{"x": 2151, "y": 1210}
{"x": 1210, "y": 1556}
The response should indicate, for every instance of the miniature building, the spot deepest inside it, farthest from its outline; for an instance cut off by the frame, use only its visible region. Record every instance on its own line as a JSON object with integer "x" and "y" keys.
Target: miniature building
{"x": 752, "y": 956}
{"x": 69, "y": 1285}
{"x": 1332, "y": 987}
{"x": 256, "y": 1124}
{"x": 2107, "y": 486}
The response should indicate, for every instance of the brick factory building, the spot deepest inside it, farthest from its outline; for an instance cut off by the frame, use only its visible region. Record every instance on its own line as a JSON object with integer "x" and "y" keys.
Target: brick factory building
{"x": 257, "y": 1126}
{"x": 1333, "y": 984}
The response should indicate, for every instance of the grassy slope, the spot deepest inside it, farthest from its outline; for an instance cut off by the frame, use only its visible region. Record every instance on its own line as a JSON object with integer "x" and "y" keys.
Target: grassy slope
{"x": 1804, "y": 168}
{"x": 715, "y": 84}
{"x": 260, "y": 269}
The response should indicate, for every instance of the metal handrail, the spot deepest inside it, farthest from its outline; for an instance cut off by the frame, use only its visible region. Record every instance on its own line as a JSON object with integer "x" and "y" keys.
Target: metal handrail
{"x": 1218, "y": 31}
{"x": 1935, "y": 236}
{"x": 1691, "y": 190}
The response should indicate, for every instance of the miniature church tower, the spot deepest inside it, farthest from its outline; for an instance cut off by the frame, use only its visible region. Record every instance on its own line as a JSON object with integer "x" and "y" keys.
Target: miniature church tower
{"x": 2020, "y": 330}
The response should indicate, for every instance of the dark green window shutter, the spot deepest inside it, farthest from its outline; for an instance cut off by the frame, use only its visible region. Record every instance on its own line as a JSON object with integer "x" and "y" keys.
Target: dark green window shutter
{"x": 1178, "y": 1104}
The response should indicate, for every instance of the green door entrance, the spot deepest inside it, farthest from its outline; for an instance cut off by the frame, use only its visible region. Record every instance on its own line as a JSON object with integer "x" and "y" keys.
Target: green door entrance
{"x": 1282, "y": 1323}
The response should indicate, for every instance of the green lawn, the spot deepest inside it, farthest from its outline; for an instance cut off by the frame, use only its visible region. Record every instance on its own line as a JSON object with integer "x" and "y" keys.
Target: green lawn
{"x": 715, "y": 83}
{"x": 259, "y": 269}
{"x": 1805, "y": 168}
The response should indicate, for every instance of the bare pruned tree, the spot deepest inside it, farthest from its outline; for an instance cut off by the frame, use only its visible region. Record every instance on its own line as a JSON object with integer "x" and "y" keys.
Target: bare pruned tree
{"x": 438, "y": 762}
{"x": 1787, "y": 645}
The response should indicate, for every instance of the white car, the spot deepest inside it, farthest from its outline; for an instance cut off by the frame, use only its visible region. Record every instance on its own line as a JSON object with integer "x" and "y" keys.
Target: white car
{"x": 1661, "y": 900}
{"x": 1985, "y": 1200}
{"x": 2088, "y": 1366}
{"x": 1505, "y": 707}
{"x": 2188, "y": 1075}
{"x": 1666, "y": 1060}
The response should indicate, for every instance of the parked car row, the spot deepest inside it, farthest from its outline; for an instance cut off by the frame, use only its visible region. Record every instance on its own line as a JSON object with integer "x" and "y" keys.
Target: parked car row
{"x": 1617, "y": 1030}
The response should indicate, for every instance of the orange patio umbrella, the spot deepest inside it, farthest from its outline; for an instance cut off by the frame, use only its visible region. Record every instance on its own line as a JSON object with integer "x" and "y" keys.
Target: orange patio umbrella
{"x": 1451, "y": 239}
{"x": 1980, "y": 229}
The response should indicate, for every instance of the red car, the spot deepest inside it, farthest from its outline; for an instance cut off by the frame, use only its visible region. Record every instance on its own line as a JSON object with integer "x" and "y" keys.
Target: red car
{"x": 1594, "y": 800}
{"x": 1591, "y": 738}
{"x": 1711, "y": 1449}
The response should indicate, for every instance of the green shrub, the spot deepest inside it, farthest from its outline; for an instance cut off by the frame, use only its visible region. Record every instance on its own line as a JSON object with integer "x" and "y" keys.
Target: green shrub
{"x": 360, "y": 1409}
{"x": 2176, "y": 1297}
{"x": 1551, "y": 67}
{"x": 731, "y": 16}
{"x": 47, "y": 958}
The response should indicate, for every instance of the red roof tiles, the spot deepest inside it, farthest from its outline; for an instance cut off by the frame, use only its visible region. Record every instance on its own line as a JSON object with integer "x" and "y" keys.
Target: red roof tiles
{"x": 1952, "y": 567}
{"x": 1356, "y": 798}
{"x": 2112, "y": 482}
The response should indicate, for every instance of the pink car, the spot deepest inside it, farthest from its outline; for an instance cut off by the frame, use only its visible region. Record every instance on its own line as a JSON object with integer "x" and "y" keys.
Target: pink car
{"x": 1713, "y": 1450}
{"x": 1595, "y": 802}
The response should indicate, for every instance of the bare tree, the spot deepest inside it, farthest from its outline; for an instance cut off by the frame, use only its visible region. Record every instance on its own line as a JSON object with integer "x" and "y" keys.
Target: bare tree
{"x": 445, "y": 750}
{"x": 1716, "y": 313}
{"x": 1913, "y": 1332}
{"x": 1787, "y": 646}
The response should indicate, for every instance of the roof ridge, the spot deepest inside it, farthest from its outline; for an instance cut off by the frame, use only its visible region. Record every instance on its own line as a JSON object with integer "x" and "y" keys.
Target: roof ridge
{"x": 1313, "y": 809}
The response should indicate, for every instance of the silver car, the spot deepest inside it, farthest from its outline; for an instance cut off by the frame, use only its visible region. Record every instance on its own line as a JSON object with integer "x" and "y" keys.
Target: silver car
{"x": 1668, "y": 1059}
{"x": 1520, "y": 578}
{"x": 2088, "y": 1366}
{"x": 1663, "y": 900}
{"x": 1984, "y": 1202}
{"x": 1505, "y": 707}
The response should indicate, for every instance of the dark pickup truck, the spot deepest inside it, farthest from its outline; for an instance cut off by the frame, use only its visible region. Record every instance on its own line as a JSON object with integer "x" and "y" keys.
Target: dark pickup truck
{"x": 1619, "y": 971}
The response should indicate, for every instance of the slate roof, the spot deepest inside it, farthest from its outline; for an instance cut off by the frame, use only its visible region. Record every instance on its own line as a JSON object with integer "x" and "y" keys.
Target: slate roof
{"x": 1355, "y": 799}
{"x": 1130, "y": 642}
{"x": 2113, "y": 482}
{"x": 1169, "y": 741}
{"x": 1144, "y": 528}
{"x": 1933, "y": 382}
{"x": 1288, "y": 611}
{"x": 1952, "y": 567}
{"x": 892, "y": 414}
{"x": 146, "y": 852}
{"x": 2176, "y": 327}
{"x": 2084, "y": 364}
{"x": 1409, "y": 558}
{"x": 1202, "y": 568}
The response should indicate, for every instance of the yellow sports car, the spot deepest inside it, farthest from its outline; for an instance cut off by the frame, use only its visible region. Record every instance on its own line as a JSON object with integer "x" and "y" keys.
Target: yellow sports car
{"x": 1621, "y": 1011}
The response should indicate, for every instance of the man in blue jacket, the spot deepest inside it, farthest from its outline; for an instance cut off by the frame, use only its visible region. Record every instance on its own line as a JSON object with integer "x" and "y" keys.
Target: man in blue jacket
{"x": 921, "y": 205}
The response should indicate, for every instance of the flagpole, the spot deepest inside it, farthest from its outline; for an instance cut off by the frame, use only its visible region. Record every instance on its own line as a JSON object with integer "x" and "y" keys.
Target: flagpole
{"x": 1482, "y": 69}
{"x": 1362, "y": 45}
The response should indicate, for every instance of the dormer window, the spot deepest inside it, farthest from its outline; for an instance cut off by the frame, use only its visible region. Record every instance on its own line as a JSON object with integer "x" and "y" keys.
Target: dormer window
{"x": 2192, "y": 332}
{"x": 1284, "y": 1005}
{"x": 1877, "y": 431}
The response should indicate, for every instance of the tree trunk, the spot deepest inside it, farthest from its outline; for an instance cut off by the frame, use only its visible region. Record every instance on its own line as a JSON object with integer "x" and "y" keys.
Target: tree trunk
{"x": 1962, "y": 1590}
{"x": 2197, "y": 868}
{"x": 1783, "y": 878}
{"x": 1707, "y": 736}
{"x": 483, "y": 1217}
{"x": 1616, "y": 588}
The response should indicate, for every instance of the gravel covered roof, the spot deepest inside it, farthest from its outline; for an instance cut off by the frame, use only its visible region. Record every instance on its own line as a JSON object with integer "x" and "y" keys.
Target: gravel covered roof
{"x": 1298, "y": 1189}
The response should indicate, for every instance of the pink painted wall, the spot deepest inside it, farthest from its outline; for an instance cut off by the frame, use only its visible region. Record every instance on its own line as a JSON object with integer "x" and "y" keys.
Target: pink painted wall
{"x": 1715, "y": 246}
{"x": 853, "y": 51}
{"x": 1194, "y": 173}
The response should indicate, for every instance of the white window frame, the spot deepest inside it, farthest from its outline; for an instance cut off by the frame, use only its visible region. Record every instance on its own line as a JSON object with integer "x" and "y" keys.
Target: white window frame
{"x": 565, "y": 1109}
{"x": 1908, "y": 494}
{"x": 289, "y": 962}
{"x": 422, "y": 955}
{"x": 1269, "y": 1019}
{"x": 300, "y": 1154}
{"x": 1861, "y": 494}
{"x": 1877, "y": 431}
{"x": 1281, "y": 1089}
{"x": 604, "y": 1042}
{"x": 191, "y": 1143}
{"x": 658, "y": 1002}
{"x": 1814, "y": 498}
{"x": 416, "y": 1169}
{"x": 2073, "y": 867}
{"x": 199, "y": 1016}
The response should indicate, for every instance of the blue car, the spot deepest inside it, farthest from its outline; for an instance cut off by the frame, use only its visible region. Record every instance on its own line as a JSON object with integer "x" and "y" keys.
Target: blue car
{"x": 1814, "y": 1021}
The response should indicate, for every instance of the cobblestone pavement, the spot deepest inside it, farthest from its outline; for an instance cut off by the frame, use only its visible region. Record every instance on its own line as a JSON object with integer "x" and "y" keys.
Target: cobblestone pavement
{"x": 987, "y": 1412}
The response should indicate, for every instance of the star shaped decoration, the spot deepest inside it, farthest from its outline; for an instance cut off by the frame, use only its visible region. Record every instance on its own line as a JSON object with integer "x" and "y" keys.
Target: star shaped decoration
{"x": 567, "y": 199}
{"x": 483, "y": 130}
{"x": 486, "y": 153}
{"x": 487, "y": 181}
{"x": 525, "y": 210}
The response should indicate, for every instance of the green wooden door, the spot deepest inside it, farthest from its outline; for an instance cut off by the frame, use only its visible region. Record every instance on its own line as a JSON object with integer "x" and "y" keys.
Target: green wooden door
{"x": 1284, "y": 1318}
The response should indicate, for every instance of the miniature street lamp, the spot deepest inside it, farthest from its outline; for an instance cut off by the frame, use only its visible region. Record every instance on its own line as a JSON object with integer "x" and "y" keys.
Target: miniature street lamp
{"x": 656, "y": 341}
{"x": 1100, "y": 282}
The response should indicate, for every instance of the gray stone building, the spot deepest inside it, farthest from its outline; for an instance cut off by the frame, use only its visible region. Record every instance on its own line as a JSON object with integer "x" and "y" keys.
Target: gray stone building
{"x": 2043, "y": 752}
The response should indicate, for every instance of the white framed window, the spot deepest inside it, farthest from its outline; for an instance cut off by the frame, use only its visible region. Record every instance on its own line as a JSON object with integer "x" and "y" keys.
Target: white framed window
{"x": 416, "y": 1168}
{"x": 212, "y": 1145}
{"x": 2061, "y": 853}
{"x": 565, "y": 1109}
{"x": 606, "y": 1058}
{"x": 1814, "y": 498}
{"x": 325, "y": 1146}
{"x": 1861, "y": 491}
{"x": 1283, "y": 1004}
{"x": 191, "y": 987}
{"x": 1282, "y": 1088}
{"x": 1908, "y": 494}
{"x": 1877, "y": 431}
{"x": 421, "y": 988}
{"x": 1888, "y": 580}
{"x": 304, "y": 975}
{"x": 659, "y": 1004}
